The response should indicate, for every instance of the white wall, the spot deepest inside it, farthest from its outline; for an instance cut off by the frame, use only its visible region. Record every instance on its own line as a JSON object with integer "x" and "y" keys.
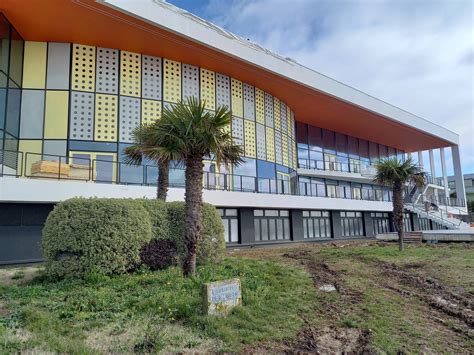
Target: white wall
{"x": 36, "y": 190}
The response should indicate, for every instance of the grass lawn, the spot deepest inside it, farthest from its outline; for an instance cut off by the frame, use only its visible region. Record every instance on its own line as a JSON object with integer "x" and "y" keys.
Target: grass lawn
{"x": 420, "y": 300}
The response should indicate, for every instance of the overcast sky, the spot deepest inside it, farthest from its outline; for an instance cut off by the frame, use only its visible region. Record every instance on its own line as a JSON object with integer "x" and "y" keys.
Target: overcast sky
{"x": 414, "y": 54}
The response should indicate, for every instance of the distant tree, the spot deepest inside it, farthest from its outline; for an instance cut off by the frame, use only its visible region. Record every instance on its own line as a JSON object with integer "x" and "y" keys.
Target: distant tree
{"x": 395, "y": 173}
{"x": 146, "y": 144}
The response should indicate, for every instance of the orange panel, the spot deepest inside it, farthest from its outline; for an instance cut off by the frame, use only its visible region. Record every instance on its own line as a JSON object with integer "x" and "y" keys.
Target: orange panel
{"x": 94, "y": 24}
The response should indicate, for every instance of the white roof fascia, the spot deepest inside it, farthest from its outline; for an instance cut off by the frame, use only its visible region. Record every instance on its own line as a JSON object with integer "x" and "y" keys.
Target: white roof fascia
{"x": 173, "y": 19}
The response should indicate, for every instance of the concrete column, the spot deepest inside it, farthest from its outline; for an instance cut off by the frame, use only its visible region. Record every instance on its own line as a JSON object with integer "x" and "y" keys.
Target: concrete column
{"x": 297, "y": 224}
{"x": 432, "y": 165}
{"x": 420, "y": 159}
{"x": 368, "y": 225}
{"x": 247, "y": 226}
{"x": 458, "y": 177}
{"x": 336, "y": 224}
{"x": 445, "y": 176}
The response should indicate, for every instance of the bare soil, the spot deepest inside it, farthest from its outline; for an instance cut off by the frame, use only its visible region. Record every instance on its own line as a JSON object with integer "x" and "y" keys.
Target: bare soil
{"x": 449, "y": 311}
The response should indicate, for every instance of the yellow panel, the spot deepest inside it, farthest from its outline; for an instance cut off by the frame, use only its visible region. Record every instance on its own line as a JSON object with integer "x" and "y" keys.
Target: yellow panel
{"x": 105, "y": 125}
{"x": 172, "y": 81}
{"x": 151, "y": 111}
{"x": 130, "y": 73}
{"x": 288, "y": 120}
{"x": 56, "y": 114}
{"x": 29, "y": 146}
{"x": 295, "y": 158}
{"x": 277, "y": 113}
{"x": 34, "y": 69}
{"x": 250, "y": 148}
{"x": 260, "y": 105}
{"x": 208, "y": 88}
{"x": 237, "y": 103}
{"x": 270, "y": 139}
{"x": 284, "y": 145}
{"x": 83, "y": 68}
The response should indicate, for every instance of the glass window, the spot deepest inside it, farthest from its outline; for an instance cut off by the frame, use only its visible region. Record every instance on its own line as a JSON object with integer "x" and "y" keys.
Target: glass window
{"x": 373, "y": 152}
{"x": 329, "y": 141}
{"x": 275, "y": 225}
{"x": 353, "y": 147}
{"x": 315, "y": 138}
{"x": 316, "y": 224}
{"x": 341, "y": 144}
{"x": 302, "y": 133}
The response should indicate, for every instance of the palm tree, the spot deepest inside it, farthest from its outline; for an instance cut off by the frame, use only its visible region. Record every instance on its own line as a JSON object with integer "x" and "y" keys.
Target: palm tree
{"x": 144, "y": 146}
{"x": 395, "y": 173}
{"x": 188, "y": 132}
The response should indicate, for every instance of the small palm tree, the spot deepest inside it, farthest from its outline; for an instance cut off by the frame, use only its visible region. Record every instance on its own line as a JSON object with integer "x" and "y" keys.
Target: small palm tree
{"x": 145, "y": 146}
{"x": 395, "y": 173}
{"x": 188, "y": 132}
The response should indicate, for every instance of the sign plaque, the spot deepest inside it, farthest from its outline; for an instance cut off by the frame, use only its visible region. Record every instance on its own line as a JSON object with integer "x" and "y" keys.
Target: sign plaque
{"x": 220, "y": 297}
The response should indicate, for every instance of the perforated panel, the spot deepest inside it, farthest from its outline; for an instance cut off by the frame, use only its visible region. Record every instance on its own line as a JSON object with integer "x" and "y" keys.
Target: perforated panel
{"x": 290, "y": 153}
{"x": 290, "y": 117}
{"x": 261, "y": 153}
{"x": 249, "y": 102}
{"x": 129, "y": 117}
{"x": 223, "y": 90}
{"x": 260, "y": 105}
{"x": 172, "y": 81}
{"x": 190, "y": 81}
{"x": 270, "y": 135}
{"x": 81, "y": 116}
{"x": 130, "y": 73}
{"x": 278, "y": 148}
{"x": 284, "y": 148}
{"x": 208, "y": 88}
{"x": 250, "y": 147}
{"x": 284, "y": 121}
{"x": 276, "y": 113}
{"x": 151, "y": 77}
{"x": 105, "y": 124}
{"x": 295, "y": 159}
{"x": 107, "y": 70}
{"x": 268, "y": 110}
{"x": 236, "y": 87}
{"x": 238, "y": 130}
{"x": 151, "y": 111}
{"x": 83, "y": 68}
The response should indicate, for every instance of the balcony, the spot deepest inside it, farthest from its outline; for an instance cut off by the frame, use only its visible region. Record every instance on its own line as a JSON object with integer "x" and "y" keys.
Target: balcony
{"x": 351, "y": 170}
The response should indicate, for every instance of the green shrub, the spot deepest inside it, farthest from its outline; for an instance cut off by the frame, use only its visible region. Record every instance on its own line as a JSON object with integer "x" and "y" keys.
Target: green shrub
{"x": 94, "y": 235}
{"x": 212, "y": 244}
{"x": 157, "y": 210}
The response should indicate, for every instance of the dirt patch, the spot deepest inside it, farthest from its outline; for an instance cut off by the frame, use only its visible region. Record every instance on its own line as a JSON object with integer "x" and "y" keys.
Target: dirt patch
{"x": 430, "y": 291}
{"x": 18, "y": 275}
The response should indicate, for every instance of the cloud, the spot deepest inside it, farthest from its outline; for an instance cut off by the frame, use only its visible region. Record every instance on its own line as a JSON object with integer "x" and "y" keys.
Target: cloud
{"x": 417, "y": 55}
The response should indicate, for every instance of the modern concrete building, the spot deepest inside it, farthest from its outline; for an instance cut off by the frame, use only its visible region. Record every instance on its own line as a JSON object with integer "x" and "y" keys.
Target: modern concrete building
{"x": 468, "y": 184}
{"x": 76, "y": 76}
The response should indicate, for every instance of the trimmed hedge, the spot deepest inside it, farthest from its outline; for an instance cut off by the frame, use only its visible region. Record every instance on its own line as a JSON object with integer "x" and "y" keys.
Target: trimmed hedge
{"x": 107, "y": 235}
{"x": 103, "y": 235}
{"x": 211, "y": 247}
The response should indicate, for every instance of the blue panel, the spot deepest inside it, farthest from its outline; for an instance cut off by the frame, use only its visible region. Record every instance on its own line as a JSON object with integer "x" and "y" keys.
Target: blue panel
{"x": 32, "y": 114}
{"x": 266, "y": 169}
{"x": 93, "y": 146}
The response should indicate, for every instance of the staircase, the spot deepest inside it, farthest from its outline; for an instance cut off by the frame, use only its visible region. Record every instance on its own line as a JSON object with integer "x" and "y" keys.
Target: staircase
{"x": 413, "y": 238}
{"x": 417, "y": 202}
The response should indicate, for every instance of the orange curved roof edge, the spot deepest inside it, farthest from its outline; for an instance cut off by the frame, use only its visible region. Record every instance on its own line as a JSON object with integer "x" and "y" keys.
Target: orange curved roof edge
{"x": 93, "y": 23}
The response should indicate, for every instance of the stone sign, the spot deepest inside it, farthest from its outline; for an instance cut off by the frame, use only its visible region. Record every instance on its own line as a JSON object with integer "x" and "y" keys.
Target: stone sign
{"x": 221, "y": 296}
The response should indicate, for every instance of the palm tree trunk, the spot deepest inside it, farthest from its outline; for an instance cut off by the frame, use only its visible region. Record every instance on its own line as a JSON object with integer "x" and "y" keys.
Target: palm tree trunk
{"x": 193, "y": 212}
{"x": 163, "y": 180}
{"x": 398, "y": 208}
